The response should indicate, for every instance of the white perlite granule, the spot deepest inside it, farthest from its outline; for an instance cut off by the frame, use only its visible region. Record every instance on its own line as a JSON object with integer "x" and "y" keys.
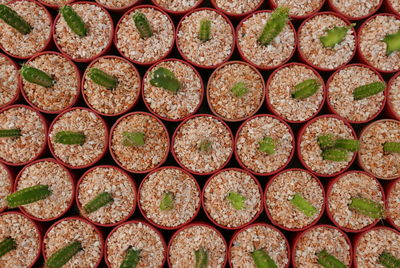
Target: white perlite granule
{"x": 187, "y": 241}
{"x": 211, "y": 52}
{"x": 355, "y": 8}
{"x": 371, "y": 154}
{"x": 8, "y": 80}
{"x": 65, "y": 87}
{"x": 177, "y": 5}
{"x": 340, "y": 93}
{"x": 26, "y": 236}
{"x": 185, "y": 192}
{"x": 282, "y": 190}
{"x": 394, "y": 95}
{"x": 237, "y": 6}
{"x": 197, "y": 130}
{"x": 224, "y": 102}
{"x": 259, "y": 236}
{"x": 99, "y": 34}
{"x": 354, "y": 184}
{"x": 148, "y": 50}
{"x": 321, "y": 238}
{"x": 26, "y": 147}
{"x": 174, "y": 105}
{"x": 147, "y": 156}
{"x": 256, "y": 130}
{"x": 277, "y": 52}
{"x": 68, "y": 231}
{"x": 5, "y": 186}
{"x": 59, "y": 182}
{"x": 373, "y": 48}
{"x": 114, "y": 182}
{"x": 116, "y": 100}
{"x": 25, "y": 45}
{"x": 312, "y": 153}
{"x": 220, "y": 209}
{"x": 117, "y": 3}
{"x": 138, "y": 236}
{"x": 312, "y": 48}
{"x": 280, "y": 89}
{"x": 82, "y": 121}
{"x": 374, "y": 243}
{"x": 393, "y": 209}
{"x": 299, "y": 7}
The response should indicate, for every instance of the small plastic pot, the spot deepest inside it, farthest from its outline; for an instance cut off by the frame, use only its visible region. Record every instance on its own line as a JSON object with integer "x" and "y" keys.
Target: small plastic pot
{"x": 82, "y": 85}
{"x": 333, "y": 111}
{"x": 299, "y": 235}
{"x": 335, "y": 9}
{"x": 143, "y": 213}
{"x": 71, "y": 179}
{"x": 11, "y": 177}
{"x": 243, "y": 225}
{"x": 76, "y": 97}
{"x": 176, "y": 157}
{"x": 135, "y": 61}
{"x": 116, "y": 159}
{"x": 104, "y": 51}
{"x": 97, "y": 230}
{"x": 43, "y": 149}
{"x": 236, "y": 16}
{"x": 177, "y": 14}
{"x": 16, "y": 97}
{"x": 237, "y": 138}
{"x": 234, "y": 236}
{"x": 268, "y": 102}
{"x": 130, "y": 222}
{"x": 194, "y": 63}
{"x": 208, "y": 91}
{"x": 54, "y": 6}
{"x": 148, "y": 105}
{"x": 80, "y": 205}
{"x": 298, "y": 18}
{"x": 48, "y": 44}
{"x": 197, "y": 224}
{"x": 304, "y": 59}
{"x": 388, "y": 189}
{"x": 105, "y": 126}
{"x": 328, "y": 212}
{"x": 389, "y": 109}
{"x": 300, "y": 137}
{"x": 314, "y": 222}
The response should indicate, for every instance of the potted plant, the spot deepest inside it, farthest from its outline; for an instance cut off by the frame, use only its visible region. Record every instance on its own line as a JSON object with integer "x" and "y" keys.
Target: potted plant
{"x": 6, "y": 185}
{"x": 9, "y": 82}
{"x": 393, "y": 203}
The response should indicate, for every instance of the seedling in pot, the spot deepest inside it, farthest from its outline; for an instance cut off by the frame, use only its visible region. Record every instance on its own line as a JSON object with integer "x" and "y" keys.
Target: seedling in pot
{"x": 392, "y": 42}
{"x": 239, "y": 89}
{"x": 303, "y": 205}
{"x": 334, "y": 154}
{"x": 335, "y": 149}
{"x": 98, "y": 202}
{"x": 262, "y": 259}
{"x": 201, "y": 257}
{"x": 267, "y": 145}
{"x": 11, "y": 17}
{"x": 392, "y": 147}
{"x": 388, "y": 260}
{"x": 142, "y": 25}
{"x": 329, "y": 261}
{"x": 28, "y": 195}
{"x": 237, "y": 200}
{"x": 10, "y": 133}
{"x": 166, "y": 79}
{"x": 306, "y": 89}
{"x": 102, "y": 78}
{"x": 7, "y": 245}
{"x": 335, "y": 36}
{"x": 63, "y": 255}
{"x": 70, "y": 137}
{"x": 366, "y": 207}
{"x": 74, "y": 21}
{"x": 167, "y": 201}
{"x": 274, "y": 25}
{"x": 37, "y": 76}
{"x": 205, "y": 145}
{"x": 132, "y": 258}
{"x": 368, "y": 90}
{"x": 205, "y": 30}
{"x": 133, "y": 139}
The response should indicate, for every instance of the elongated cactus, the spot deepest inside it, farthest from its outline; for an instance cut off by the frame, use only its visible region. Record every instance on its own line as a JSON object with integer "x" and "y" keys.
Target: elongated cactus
{"x": 335, "y": 154}
{"x": 167, "y": 201}
{"x": 303, "y": 205}
{"x": 133, "y": 139}
{"x": 36, "y": 76}
{"x": 201, "y": 257}
{"x": 306, "y": 89}
{"x": 335, "y": 36}
{"x": 392, "y": 147}
{"x": 132, "y": 258}
{"x": 388, "y": 260}
{"x": 7, "y": 245}
{"x": 347, "y": 144}
{"x": 367, "y": 207}
{"x": 164, "y": 78}
{"x": 368, "y": 90}
{"x": 28, "y": 195}
{"x": 267, "y": 145}
{"x": 205, "y": 30}
{"x": 262, "y": 259}
{"x": 74, "y": 21}
{"x": 326, "y": 141}
{"x": 9, "y": 133}
{"x": 102, "y": 78}
{"x": 63, "y": 255}
{"x": 329, "y": 261}
{"x": 239, "y": 89}
{"x": 274, "y": 25}
{"x": 392, "y": 42}
{"x": 142, "y": 25}
{"x": 237, "y": 200}
{"x": 204, "y": 145}
{"x": 99, "y": 201}
{"x": 70, "y": 137}
{"x": 12, "y": 18}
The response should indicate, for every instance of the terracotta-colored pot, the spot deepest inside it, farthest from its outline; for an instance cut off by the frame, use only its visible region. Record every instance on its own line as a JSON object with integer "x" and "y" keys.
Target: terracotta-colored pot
{"x": 335, "y": 9}
{"x": 389, "y": 109}
{"x": 178, "y": 14}
{"x": 298, "y": 18}
{"x": 389, "y": 188}
{"x": 235, "y": 16}
{"x": 11, "y": 177}
{"x": 16, "y": 97}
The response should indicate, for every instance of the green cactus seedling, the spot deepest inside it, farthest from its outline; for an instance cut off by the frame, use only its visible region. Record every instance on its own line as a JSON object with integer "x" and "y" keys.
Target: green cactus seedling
{"x": 262, "y": 259}
{"x": 303, "y": 205}
{"x": 74, "y": 21}
{"x": 367, "y": 207}
{"x": 335, "y": 154}
{"x": 132, "y": 258}
{"x": 142, "y": 25}
{"x": 10, "y": 133}
{"x": 326, "y": 141}
{"x": 133, "y": 139}
{"x": 237, "y": 200}
{"x": 37, "y": 76}
{"x": 201, "y": 257}
{"x": 204, "y": 145}
{"x": 392, "y": 147}
{"x": 388, "y": 260}
{"x": 329, "y": 261}
{"x": 274, "y": 25}
{"x": 7, "y": 245}
{"x": 267, "y": 145}
{"x": 205, "y": 30}
{"x": 347, "y": 144}
{"x": 166, "y": 79}
{"x": 99, "y": 201}
{"x": 12, "y": 18}
{"x": 335, "y": 36}
{"x": 167, "y": 201}
{"x": 239, "y": 89}
{"x": 102, "y": 78}
{"x": 368, "y": 90}
{"x": 392, "y": 42}
{"x": 306, "y": 89}
{"x": 63, "y": 255}
{"x": 70, "y": 138}
{"x": 28, "y": 195}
